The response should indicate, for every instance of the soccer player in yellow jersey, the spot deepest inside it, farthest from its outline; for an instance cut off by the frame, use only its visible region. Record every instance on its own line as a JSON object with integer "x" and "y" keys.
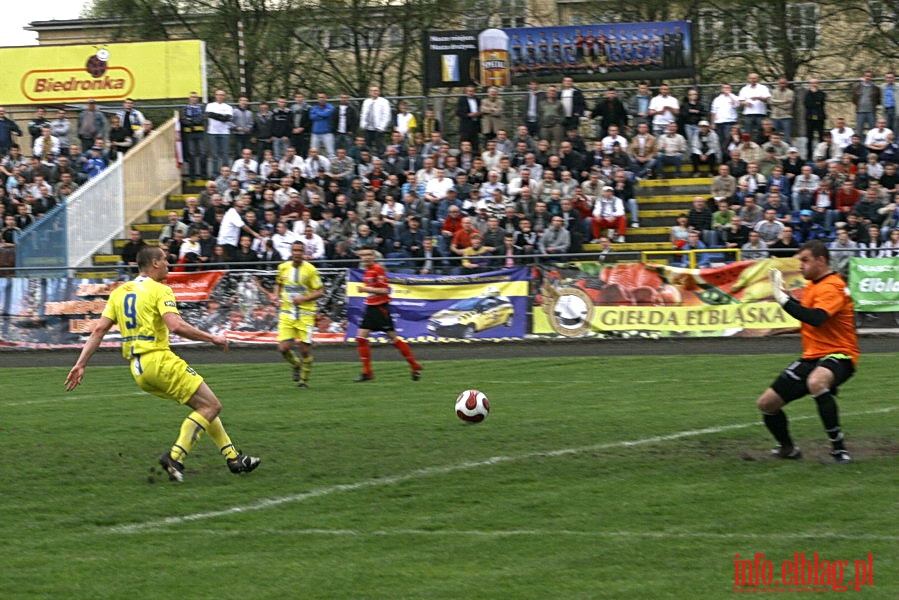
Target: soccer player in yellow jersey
{"x": 145, "y": 311}
{"x": 298, "y": 286}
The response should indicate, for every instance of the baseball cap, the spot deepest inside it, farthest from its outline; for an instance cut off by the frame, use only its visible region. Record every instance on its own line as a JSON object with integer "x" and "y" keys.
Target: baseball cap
{"x": 745, "y": 137}
{"x": 793, "y": 150}
{"x": 805, "y": 212}
{"x": 608, "y": 188}
{"x": 704, "y": 122}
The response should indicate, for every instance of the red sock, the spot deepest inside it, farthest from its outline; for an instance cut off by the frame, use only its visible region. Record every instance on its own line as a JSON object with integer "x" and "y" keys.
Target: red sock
{"x": 406, "y": 351}
{"x": 364, "y": 354}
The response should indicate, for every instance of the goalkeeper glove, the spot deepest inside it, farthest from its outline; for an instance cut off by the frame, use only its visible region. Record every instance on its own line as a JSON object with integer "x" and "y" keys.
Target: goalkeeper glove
{"x": 777, "y": 286}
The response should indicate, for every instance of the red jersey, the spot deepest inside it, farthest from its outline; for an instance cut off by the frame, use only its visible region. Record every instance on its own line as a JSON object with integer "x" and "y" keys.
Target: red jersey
{"x": 845, "y": 201}
{"x": 837, "y": 334}
{"x": 376, "y": 276}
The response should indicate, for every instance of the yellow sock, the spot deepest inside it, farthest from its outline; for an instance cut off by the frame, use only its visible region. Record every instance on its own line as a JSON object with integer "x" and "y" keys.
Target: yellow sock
{"x": 306, "y": 369}
{"x": 220, "y": 437}
{"x": 290, "y": 357}
{"x": 191, "y": 429}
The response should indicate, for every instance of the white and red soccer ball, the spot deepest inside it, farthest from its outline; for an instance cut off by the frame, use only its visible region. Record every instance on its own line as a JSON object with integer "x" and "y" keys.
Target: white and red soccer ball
{"x": 472, "y": 406}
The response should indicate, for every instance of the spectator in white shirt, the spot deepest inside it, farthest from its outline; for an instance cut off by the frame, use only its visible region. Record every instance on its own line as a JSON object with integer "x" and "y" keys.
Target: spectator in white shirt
{"x": 291, "y": 160}
{"x": 314, "y": 164}
{"x": 492, "y": 183}
{"x": 46, "y": 146}
{"x": 723, "y": 113}
{"x": 491, "y": 155}
{"x": 672, "y": 147}
{"x": 754, "y": 97}
{"x": 315, "y": 245}
{"x": 663, "y": 109}
{"x": 218, "y": 129}
{"x": 612, "y": 137}
{"x": 243, "y": 165}
{"x": 876, "y": 139}
{"x": 375, "y": 119}
{"x": 437, "y": 186}
{"x": 282, "y": 239}
{"x": 841, "y": 133}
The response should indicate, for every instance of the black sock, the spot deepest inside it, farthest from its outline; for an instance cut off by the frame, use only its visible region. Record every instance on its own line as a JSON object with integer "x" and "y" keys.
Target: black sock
{"x": 777, "y": 425}
{"x": 830, "y": 417}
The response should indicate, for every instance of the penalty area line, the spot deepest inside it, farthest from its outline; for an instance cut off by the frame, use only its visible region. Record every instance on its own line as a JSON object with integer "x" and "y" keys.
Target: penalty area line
{"x": 69, "y": 398}
{"x": 266, "y": 503}
{"x": 827, "y": 535}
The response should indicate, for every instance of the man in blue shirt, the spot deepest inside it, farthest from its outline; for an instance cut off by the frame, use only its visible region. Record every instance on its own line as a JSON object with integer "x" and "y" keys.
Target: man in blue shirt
{"x": 888, "y": 98}
{"x": 320, "y": 115}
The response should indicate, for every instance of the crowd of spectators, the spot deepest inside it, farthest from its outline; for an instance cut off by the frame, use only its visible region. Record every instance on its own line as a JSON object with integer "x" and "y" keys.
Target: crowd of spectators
{"x": 766, "y": 199}
{"x": 340, "y": 175}
{"x": 44, "y": 165}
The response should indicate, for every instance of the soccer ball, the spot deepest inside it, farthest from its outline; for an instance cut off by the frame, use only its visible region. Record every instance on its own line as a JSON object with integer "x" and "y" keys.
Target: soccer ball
{"x": 472, "y": 406}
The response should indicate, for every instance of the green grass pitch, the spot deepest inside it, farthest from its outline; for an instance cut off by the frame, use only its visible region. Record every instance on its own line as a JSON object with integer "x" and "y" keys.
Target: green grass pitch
{"x": 630, "y": 477}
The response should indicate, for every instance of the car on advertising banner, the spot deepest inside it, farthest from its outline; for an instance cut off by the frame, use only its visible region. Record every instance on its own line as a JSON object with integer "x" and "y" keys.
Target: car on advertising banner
{"x": 467, "y": 317}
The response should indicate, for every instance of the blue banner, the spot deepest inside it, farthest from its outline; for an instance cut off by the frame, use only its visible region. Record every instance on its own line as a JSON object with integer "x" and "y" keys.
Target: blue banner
{"x": 483, "y": 306}
{"x": 595, "y": 52}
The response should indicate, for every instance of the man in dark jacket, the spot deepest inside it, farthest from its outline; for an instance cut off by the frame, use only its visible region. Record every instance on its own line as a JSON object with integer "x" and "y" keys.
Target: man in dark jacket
{"x": 344, "y": 121}
{"x": 610, "y": 111}
{"x": 468, "y": 110}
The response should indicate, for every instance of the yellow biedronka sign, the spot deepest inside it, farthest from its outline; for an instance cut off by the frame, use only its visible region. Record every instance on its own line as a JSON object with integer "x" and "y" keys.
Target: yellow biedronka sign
{"x": 104, "y": 72}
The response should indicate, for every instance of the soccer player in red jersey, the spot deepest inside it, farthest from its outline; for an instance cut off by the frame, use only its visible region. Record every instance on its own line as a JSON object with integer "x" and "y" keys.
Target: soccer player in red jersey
{"x": 377, "y": 315}
{"x": 829, "y": 351}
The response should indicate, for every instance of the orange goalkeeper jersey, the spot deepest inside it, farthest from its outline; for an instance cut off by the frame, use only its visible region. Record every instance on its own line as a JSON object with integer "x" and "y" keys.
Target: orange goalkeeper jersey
{"x": 837, "y": 334}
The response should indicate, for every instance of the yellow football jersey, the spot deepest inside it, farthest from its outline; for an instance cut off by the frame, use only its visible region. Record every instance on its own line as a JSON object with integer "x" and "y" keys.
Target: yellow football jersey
{"x": 297, "y": 281}
{"x": 137, "y": 308}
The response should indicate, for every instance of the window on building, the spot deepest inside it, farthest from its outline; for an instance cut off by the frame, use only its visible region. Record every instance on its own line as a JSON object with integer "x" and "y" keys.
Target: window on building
{"x": 513, "y": 13}
{"x": 742, "y": 31}
{"x": 802, "y": 25}
{"x": 497, "y": 13}
{"x": 479, "y": 15}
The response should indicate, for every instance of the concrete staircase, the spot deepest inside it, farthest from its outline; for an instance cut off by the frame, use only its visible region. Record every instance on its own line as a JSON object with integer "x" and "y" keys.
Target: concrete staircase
{"x": 660, "y": 201}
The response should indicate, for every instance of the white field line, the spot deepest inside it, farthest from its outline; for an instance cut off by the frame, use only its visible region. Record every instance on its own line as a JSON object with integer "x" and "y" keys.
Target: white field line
{"x": 824, "y": 535}
{"x": 71, "y": 397}
{"x": 442, "y": 470}
{"x": 592, "y": 382}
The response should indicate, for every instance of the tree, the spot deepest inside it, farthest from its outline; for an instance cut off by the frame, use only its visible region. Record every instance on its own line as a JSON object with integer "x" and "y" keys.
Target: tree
{"x": 219, "y": 23}
{"x": 879, "y": 33}
{"x": 775, "y": 38}
{"x": 329, "y": 45}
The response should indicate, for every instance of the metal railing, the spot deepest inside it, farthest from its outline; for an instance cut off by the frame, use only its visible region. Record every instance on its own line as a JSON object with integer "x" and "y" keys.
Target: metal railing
{"x": 441, "y": 265}
{"x": 690, "y": 255}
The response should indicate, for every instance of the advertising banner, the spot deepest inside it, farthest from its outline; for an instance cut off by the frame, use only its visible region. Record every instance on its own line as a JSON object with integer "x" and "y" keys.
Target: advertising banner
{"x": 105, "y": 72}
{"x": 874, "y": 284}
{"x": 193, "y": 287}
{"x": 483, "y": 306}
{"x": 59, "y": 313}
{"x": 611, "y": 52}
{"x": 595, "y": 300}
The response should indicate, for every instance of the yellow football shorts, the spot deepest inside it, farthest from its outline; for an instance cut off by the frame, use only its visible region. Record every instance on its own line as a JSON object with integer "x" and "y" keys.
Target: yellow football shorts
{"x": 296, "y": 329}
{"x": 166, "y": 375}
